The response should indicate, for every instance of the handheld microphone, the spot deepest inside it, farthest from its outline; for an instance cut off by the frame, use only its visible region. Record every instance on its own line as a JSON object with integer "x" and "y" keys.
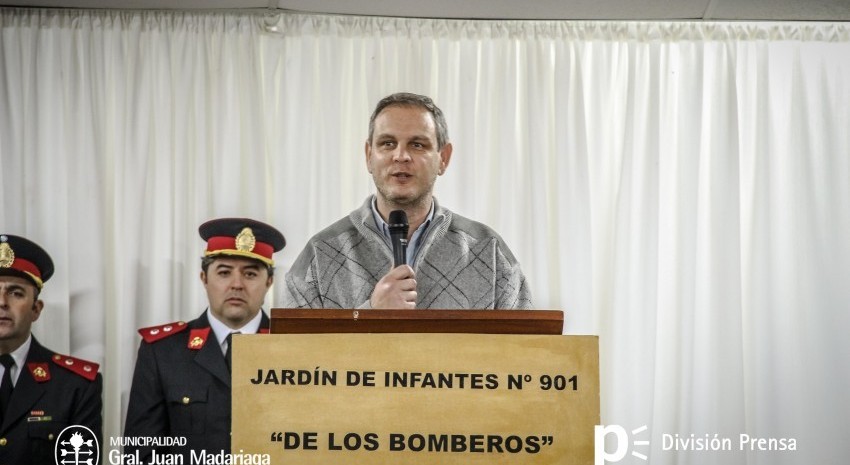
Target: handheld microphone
{"x": 398, "y": 236}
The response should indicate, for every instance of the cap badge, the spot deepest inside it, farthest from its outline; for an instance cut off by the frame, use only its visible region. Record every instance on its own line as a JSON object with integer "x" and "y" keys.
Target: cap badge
{"x": 246, "y": 241}
{"x": 7, "y": 255}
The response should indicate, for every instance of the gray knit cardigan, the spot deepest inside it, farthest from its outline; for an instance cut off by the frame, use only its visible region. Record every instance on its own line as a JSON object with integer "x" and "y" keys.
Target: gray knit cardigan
{"x": 460, "y": 264}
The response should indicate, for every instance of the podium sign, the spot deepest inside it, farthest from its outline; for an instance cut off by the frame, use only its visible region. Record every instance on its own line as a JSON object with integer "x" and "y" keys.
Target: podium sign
{"x": 416, "y": 398}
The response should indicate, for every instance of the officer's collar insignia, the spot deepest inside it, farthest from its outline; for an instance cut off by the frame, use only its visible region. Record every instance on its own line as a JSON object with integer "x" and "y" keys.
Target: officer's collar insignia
{"x": 7, "y": 255}
{"x": 39, "y": 371}
{"x": 197, "y": 338}
{"x": 246, "y": 241}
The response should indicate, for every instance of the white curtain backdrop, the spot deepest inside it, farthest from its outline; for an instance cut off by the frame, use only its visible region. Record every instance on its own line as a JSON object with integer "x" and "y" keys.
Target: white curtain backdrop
{"x": 680, "y": 189}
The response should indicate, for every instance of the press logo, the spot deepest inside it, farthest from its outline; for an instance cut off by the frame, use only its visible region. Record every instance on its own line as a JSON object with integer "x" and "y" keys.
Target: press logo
{"x": 77, "y": 445}
{"x": 601, "y": 455}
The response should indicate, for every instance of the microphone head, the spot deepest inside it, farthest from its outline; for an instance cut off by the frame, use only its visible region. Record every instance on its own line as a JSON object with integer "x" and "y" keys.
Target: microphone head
{"x": 398, "y": 222}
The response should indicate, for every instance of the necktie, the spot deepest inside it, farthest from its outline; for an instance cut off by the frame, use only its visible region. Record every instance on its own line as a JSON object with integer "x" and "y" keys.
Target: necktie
{"x": 228, "y": 353}
{"x": 6, "y": 383}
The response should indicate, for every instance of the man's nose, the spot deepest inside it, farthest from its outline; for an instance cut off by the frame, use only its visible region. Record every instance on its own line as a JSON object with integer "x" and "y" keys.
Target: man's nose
{"x": 401, "y": 155}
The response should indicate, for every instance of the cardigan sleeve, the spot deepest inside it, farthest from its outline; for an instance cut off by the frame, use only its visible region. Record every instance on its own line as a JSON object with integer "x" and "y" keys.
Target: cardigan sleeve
{"x": 301, "y": 290}
{"x": 512, "y": 290}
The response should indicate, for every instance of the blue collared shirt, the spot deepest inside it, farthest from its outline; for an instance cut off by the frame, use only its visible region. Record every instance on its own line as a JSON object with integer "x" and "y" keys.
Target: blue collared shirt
{"x": 413, "y": 245}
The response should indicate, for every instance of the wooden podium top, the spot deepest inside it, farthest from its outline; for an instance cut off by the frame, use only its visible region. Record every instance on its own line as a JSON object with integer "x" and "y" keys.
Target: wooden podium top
{"x": 294, "y": 321}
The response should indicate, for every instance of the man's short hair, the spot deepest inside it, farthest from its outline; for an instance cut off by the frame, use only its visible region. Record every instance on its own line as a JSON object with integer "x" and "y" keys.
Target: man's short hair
{"x": 414, "y": 100}
{"x": 207, "y": 261}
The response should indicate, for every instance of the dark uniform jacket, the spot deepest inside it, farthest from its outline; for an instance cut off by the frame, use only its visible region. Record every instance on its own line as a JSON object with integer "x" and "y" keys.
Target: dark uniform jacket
{"x": 181, "y": 389}
{"x": 53, "y": 391}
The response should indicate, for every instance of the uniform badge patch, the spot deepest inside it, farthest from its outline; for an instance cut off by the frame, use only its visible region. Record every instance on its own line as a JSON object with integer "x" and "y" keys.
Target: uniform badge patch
{"x": 198, "y": 337}
{"x": 40, "y": 372}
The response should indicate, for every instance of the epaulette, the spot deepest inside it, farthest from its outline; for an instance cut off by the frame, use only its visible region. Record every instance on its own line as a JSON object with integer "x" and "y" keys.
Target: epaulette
{"x": 155, "y": 333}
{"x": 84, "y": 368}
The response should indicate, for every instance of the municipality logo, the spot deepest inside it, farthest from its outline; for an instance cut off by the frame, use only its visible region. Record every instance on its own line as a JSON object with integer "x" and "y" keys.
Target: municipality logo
{"x": 77, "y": 445}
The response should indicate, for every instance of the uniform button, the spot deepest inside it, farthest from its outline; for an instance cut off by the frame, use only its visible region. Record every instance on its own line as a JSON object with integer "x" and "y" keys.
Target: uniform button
{"x": 2, "y": 442}
{"x": 185, "y": 400}
{"x": 50, "y": 437}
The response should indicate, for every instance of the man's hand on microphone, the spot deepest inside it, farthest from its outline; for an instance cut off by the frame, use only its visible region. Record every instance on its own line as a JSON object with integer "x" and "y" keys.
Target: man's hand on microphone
{"x": 397, "y": 289}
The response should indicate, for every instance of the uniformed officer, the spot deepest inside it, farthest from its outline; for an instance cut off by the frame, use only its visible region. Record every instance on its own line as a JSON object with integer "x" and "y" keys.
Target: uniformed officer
{"x": 181, "y": 385}
{"x": 41, "y": 392}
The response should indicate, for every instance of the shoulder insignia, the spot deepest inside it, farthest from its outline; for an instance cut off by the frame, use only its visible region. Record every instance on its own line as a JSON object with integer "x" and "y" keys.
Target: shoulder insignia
{"x": 198, "y": 337}
{"x": 155, "y": 333}
{"x": 39, "y": 371}
{"x": 84, "y": 368}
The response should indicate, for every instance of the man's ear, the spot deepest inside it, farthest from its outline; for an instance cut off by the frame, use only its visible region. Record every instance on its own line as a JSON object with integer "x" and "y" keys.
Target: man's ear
{"x": 203, "y": 277}
{"x": 37, "y": 307}
{"x": 367, "y": 150}
{"x": 445, "y": 157}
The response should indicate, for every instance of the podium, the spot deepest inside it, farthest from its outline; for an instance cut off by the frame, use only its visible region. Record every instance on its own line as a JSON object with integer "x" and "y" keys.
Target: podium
{"x": 293, "y": 321}
{"x": 416, "y": 387}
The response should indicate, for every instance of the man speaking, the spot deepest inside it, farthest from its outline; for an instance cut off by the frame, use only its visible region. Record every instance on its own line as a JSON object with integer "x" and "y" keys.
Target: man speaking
{"x": 443, "y": 261}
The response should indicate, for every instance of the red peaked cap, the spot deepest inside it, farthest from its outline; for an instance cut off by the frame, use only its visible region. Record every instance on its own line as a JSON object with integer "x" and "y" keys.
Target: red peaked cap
{"x": 241, "y": 237}
{"x": 24, "y": 258}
